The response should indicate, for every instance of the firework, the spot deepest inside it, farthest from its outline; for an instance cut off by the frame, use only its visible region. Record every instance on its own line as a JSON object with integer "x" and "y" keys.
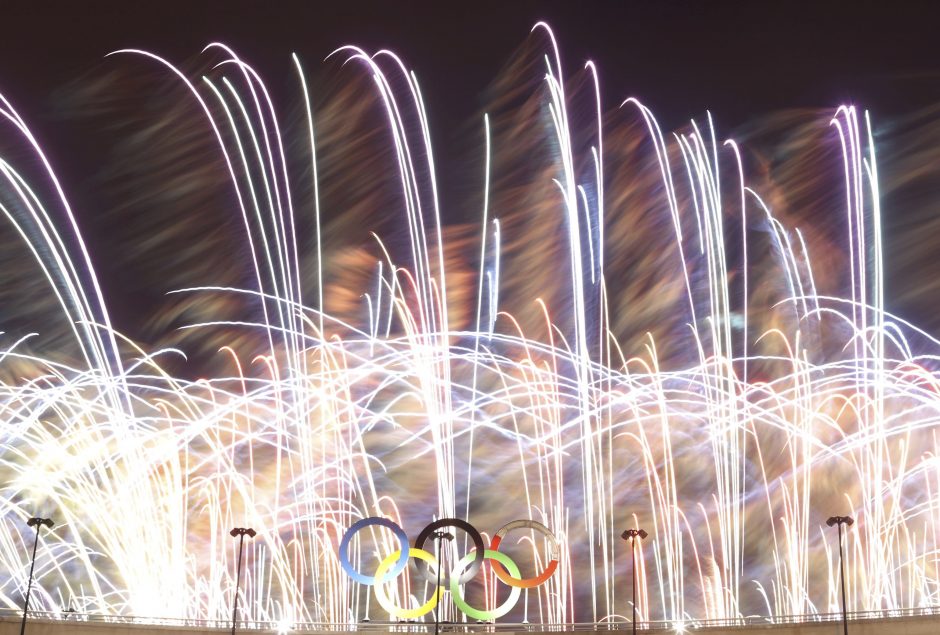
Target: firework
{"x": 630, "y": 336}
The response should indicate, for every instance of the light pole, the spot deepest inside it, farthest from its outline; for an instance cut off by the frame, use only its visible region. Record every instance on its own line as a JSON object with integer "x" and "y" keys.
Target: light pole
{"x": 241, "y": 532}
{"x": 631, "y": 535}
{"x": 439, "y": 535}
{"x": 839, "y": 521}
{"x": 37, "y": 523}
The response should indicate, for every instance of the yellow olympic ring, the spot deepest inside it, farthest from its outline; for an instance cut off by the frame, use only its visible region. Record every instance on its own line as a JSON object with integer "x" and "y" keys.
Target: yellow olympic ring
{"x": 386, "y": 603}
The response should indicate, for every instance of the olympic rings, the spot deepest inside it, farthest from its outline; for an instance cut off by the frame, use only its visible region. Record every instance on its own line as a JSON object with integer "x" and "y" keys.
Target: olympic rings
{"x": 385, "y": 603}
{"x": 365, "y": 522}
{"x": 527, "y": 583}
{"x": 471, "y": 571}
{"x": 464, "y": 570}
{"x": 500, "y": 610}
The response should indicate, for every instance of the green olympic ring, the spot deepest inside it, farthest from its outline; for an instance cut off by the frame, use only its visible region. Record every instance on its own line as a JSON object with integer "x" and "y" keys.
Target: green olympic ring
{"x": 500, "y": 610}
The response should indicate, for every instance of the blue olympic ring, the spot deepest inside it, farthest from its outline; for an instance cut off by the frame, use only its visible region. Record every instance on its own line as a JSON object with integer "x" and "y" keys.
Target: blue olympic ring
{"x": 400, "y": 564}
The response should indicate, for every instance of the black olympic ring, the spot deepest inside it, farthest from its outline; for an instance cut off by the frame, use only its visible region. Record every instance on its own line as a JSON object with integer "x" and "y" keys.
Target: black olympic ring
{"x": 425, "y": 571}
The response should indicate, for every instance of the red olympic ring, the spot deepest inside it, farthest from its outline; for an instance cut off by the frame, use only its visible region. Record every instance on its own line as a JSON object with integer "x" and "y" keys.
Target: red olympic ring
{"x": 525, "y": 583}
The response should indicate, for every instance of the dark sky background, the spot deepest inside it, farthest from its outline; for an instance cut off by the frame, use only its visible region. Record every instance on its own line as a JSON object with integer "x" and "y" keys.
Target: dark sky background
{"x": 741, "y": 60}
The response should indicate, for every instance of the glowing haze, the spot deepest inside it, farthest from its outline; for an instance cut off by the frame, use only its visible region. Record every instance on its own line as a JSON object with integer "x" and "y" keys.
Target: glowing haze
{"x": 627, "y": 335}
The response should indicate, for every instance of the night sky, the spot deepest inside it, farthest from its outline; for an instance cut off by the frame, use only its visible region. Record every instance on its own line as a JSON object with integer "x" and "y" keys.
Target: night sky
{"x": 741, "y": 60}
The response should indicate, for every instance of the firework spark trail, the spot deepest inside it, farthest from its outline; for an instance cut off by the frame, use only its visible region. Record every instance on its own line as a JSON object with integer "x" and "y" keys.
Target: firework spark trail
{"x": 728, "y": 458}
